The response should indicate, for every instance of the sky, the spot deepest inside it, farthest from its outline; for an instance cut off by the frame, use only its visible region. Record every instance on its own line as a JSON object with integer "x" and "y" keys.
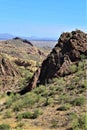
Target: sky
{"x": 42, "y": 18}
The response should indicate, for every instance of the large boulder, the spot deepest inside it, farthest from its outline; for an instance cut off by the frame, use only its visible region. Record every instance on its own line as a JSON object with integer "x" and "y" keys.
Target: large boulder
{"x": 67, "y": 52}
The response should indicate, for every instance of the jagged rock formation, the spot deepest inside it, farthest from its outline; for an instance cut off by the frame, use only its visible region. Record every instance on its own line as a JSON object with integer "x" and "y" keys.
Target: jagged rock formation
{"x": 6, "y": 68}
{"x": 8, "y": 75}
{"x": 67, "y": 51}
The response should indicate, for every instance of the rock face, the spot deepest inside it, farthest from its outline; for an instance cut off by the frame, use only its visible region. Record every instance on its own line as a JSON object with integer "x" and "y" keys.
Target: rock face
{"x": 67, "y": 51}
{"x": 8, "y": 75}
{"x": 6, "y": 69}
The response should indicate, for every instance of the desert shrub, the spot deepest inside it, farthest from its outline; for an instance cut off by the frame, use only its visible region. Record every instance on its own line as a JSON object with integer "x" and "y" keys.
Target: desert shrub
{"x": 73, "y": 68}
{"x": 64, "y": 107}
{"x": 20, "y": 125}
{"x": 71, "y": 87}
{"x": 9, "y": 102}
{"x": 36, "y": 113}
{"x": 8, "y": 114}
{"x": 25, "y": 115}
{"x": 82, "y": 56}
{"x": 80, "y": 65}
{"x": 17, "y": 106}
{"x": 11, "y": 99}
{"x": 54, "y": 123}
{"x": 83, "y": 121}
{"x": 39, "y": 90}
{"x": 59, "y": 81}
{"x": 26, "y": 75}
{"x": 29, "y": 115}
{"x": 4, "y": 127}
{"x": 74, "y": 121}
{"x": 63, "y": 98}
{"x": 78, "y": 101}
{"x": 80, "y": 73}
{"x": 84, "y": 84}
{"x": 30, "y": 99}
{"x": 78, "y": 123}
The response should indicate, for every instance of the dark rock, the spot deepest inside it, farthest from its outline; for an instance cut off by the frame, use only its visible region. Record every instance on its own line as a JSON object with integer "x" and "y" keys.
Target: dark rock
{"x": 67, "y": 52}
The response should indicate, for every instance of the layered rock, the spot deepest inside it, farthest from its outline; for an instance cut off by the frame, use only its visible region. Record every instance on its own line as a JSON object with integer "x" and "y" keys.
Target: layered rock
{"x": 8, "y": 75}
{"x": 67, "y": 51}
{"x": 6, "y": 68}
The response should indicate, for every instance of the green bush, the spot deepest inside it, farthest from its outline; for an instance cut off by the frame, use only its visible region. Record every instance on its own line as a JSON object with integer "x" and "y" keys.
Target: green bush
{"x": 82, "y": 57}
{"x": 80, "y": 65}
{"x": 8, "y": 114}
{"x": 9, "y": 102}
{"x": 78, "y": 101}
{"x": 29, "y": 115}
{"x": 84, "y": 84}
{"x": 63, "y": 98}
{"x": 20, "y": 125}
{"x": 36, "y": 113}
{"x": 64, "y": 107}
{"x": 4, "y": 127}
{"x": 28, "y": 100}
{"x": 25, "y": 115}
{"x": 78, "y": 122}
{"x": 73, "y": 68}
{"x": 17, "y": 107}
{"x": 39, "y": 90}
{"x": 11, "y": 99}
{"x": 54, "y": 123}
{"x": 83, "y": 121}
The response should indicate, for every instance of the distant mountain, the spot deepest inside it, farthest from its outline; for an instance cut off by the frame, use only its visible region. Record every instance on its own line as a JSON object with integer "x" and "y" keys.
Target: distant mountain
{"x": 6, "y": 36}
{"x": 33, "y": 38}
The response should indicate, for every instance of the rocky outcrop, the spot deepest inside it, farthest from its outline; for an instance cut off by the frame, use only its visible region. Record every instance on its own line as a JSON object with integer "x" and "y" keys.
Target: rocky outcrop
{"x": 20, "y": 62}
{"x": 6, "y": 68}
{"x": 23, "y": 40}
{"x": 8, "y": 75}
{"x": 67, "y": 52}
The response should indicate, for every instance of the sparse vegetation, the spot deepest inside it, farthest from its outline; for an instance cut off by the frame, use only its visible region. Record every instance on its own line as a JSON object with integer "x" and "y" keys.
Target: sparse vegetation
{"x": 59, "y": 99}
{"x": 79, "y": 101}
{"x": 73, "y": 68}
{"x": 4, "y": 127}
{"x": 29, "y": 115}
{"x": 64, "y": 107}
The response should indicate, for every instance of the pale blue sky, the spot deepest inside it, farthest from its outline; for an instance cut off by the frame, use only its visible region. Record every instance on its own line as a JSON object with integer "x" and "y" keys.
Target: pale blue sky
{"x": 42, "y": 18}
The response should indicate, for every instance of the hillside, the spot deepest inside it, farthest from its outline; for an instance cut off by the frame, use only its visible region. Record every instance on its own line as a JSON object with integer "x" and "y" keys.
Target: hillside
{"x": 19, "y": 59}
{"x": 55, "y": 96}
